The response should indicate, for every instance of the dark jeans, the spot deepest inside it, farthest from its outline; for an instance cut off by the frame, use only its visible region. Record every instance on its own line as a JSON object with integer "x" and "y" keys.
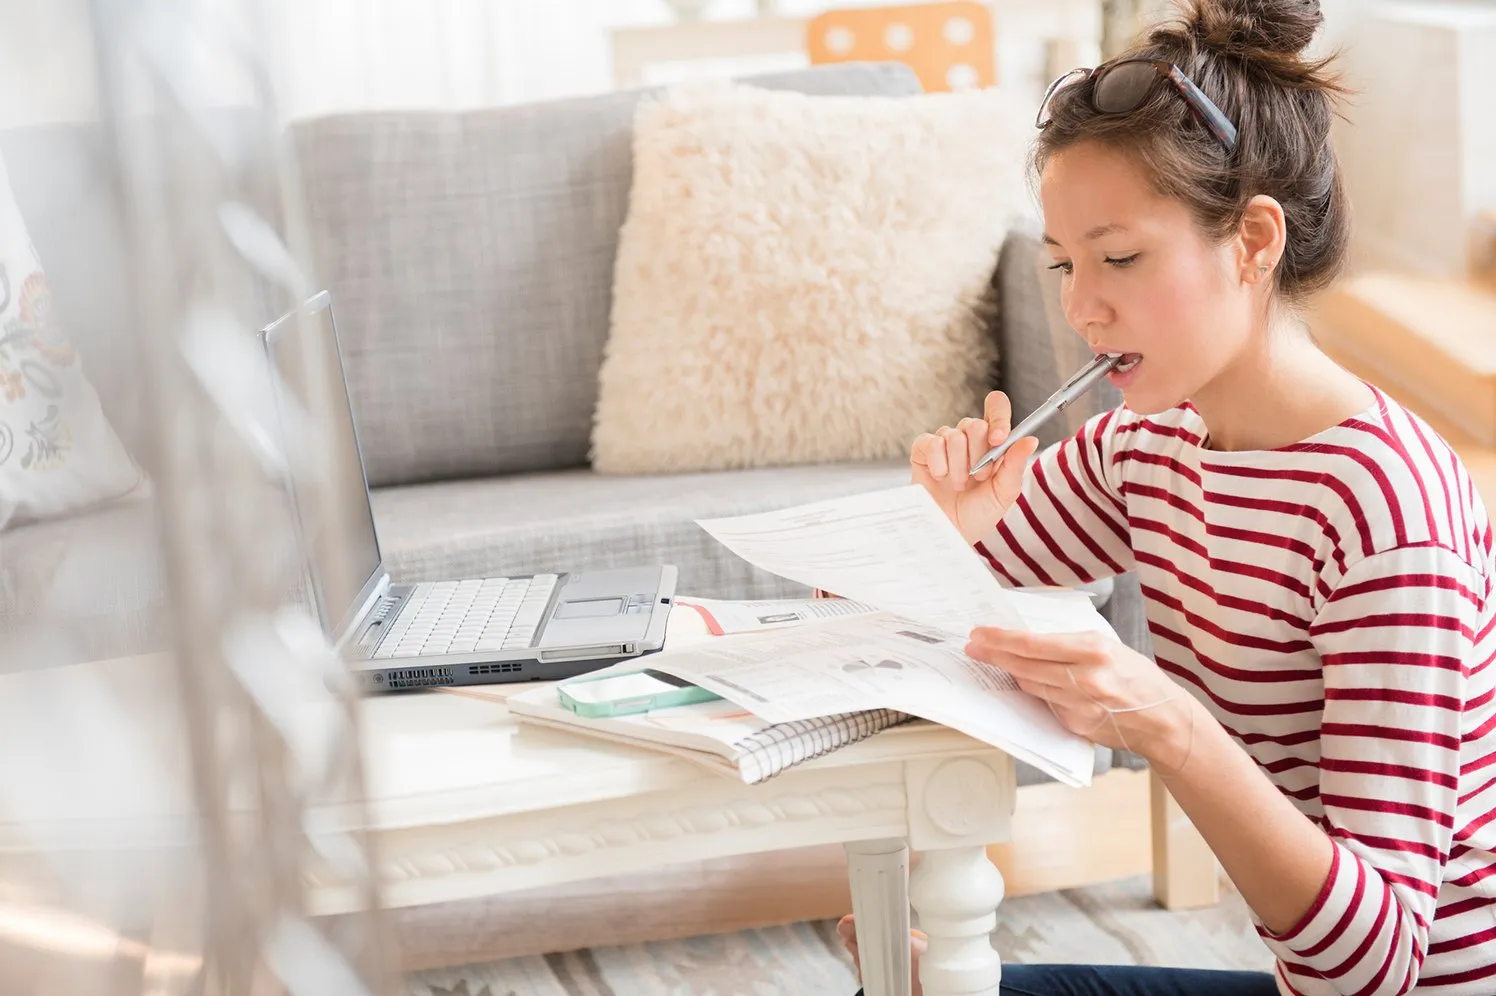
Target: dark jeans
{"x": 1131, "y": 980}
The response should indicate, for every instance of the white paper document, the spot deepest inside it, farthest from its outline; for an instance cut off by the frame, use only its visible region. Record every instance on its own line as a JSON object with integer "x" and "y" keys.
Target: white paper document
{"x": 896, "y": 550}
{"x": 881, "y": 661}
{"x": 723, "y": 617}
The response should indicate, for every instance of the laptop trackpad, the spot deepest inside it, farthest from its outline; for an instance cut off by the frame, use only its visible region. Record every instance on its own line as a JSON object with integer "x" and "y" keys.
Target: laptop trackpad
{"x": 590, "y": 608}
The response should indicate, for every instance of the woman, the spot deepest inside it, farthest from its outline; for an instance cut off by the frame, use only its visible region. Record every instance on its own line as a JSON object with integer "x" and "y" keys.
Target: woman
{"x": 1316, "y": 564}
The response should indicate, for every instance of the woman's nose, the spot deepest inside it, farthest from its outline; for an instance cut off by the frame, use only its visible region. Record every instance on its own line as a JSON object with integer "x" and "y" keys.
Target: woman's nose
{"x": 1085, "y": 308}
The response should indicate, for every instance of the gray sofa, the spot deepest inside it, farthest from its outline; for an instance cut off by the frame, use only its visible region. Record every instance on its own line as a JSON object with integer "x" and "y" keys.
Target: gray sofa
{"x": 470, "y": 259}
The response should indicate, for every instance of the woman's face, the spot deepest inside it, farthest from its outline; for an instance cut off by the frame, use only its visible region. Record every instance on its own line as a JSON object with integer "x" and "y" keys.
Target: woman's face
{"x": 1139, "y": 278}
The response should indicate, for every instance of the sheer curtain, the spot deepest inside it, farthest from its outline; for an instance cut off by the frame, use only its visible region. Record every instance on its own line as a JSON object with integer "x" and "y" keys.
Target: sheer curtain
{"x": 329, "y": 56}
{"x": 345, "y": 55}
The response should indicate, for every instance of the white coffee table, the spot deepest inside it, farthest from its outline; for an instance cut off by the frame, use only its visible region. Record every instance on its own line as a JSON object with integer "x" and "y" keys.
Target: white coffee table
{"x": 466, "y": 802}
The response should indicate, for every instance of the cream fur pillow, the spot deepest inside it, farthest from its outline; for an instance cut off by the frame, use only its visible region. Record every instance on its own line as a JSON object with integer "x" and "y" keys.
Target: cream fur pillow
{"x": 797, "y": 275}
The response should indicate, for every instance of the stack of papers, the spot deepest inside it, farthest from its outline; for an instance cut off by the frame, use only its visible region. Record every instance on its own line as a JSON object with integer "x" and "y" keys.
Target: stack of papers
{"x": 914, "y": 590}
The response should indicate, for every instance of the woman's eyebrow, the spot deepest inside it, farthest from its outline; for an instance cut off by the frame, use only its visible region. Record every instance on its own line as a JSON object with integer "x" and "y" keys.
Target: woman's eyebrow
{"x": 1098, "y": 232}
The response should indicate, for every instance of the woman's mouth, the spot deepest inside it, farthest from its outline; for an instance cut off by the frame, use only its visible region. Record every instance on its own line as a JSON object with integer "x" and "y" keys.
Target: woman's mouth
{"x": 1125, "y": 371}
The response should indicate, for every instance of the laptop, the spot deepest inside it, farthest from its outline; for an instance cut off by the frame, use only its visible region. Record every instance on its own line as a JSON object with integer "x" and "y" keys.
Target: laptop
{"x": 452, "y": 632}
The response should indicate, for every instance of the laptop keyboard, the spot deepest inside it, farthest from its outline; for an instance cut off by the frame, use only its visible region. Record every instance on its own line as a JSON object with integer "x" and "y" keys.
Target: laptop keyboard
{"x": 463, "y": 617}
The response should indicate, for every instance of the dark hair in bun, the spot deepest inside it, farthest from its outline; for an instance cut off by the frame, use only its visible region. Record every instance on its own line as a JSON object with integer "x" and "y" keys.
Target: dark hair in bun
{"x": 1248, "y": 26}
{"x": 1247, "y": 57}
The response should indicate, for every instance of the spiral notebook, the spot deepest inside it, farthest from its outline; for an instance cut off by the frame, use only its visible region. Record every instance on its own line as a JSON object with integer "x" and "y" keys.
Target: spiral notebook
{"x": 718, "y": 734}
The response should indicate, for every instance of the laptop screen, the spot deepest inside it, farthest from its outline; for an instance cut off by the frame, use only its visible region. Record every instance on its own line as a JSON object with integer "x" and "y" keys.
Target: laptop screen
{"x": 343, "y": 548}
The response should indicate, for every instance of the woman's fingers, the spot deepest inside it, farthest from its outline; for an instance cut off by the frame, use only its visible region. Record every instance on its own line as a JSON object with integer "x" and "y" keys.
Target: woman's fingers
{"x": 967, "y": 445}
{"x": 976, "y": 445}
{"x": 948, "y": 453}
{"x": 1012, "y": 467}
{"x": 928, "y": 453}
{"x": 1035, "y": 673}
{"x": 1087, "y": 649}
{"x": 957, "y": 456}
{"x": 1049, "y": 674}
{"x": 998, "y": 412}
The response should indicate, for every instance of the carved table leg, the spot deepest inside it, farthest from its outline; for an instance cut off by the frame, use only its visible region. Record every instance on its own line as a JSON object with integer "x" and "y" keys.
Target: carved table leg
{"x": 956, "y": 807}
{"x": 879, "y": 873}
{"x": 957, "y": 892}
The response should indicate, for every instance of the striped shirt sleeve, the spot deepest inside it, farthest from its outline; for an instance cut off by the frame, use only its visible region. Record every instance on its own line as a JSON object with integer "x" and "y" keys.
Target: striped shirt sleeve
{"x": 1395, "y": 638}
{"x": 1069, "y": 524}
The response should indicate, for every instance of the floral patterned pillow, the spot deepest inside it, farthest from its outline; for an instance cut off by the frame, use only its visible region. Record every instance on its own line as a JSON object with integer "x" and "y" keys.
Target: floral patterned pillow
{"x": 58, "y": 453}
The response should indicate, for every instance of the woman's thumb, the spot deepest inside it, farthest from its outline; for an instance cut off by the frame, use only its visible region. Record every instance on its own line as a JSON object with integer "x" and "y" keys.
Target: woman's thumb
{"x": 1007, "y": 482}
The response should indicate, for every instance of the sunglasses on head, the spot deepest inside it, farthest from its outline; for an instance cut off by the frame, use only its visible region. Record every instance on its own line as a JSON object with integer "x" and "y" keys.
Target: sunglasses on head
{"x": 1121, "y": 87}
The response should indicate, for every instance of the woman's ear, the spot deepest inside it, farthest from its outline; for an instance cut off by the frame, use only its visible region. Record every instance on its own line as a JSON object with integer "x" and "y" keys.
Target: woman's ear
{"x": 1262, "y": 237}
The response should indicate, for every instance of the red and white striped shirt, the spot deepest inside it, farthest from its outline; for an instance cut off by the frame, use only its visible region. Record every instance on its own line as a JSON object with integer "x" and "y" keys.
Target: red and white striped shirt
{"x": 1330, "y": 603}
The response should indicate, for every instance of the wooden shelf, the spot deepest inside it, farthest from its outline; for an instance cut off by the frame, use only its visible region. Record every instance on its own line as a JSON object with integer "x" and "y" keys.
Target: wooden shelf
{"x": 1431, "y": 341}
{"x": 1431, "y": 345}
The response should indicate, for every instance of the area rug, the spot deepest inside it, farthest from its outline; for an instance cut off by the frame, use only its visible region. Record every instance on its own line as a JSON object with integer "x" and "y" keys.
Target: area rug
{"x": 1115, "y": 923}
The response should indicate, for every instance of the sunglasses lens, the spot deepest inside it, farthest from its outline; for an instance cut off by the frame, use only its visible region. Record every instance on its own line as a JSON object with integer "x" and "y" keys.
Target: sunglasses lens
{"x": 1123, "y": 87}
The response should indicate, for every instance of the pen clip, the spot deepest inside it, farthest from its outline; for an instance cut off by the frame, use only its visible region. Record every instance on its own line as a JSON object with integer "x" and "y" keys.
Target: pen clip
{"x": 1105, "y": 360}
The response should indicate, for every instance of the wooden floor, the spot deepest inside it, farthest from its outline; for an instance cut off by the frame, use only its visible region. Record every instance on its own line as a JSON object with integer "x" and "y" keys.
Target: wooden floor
{"x": 1113, "y": 923}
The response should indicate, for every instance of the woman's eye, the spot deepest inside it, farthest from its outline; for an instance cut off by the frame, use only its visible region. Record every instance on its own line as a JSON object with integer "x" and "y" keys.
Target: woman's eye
{"x": 1066, "y": 266}
{"x": 1123, "y": 262}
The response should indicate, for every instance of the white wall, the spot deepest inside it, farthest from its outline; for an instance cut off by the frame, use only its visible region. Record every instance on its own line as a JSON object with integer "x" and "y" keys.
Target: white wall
{"x": 1419, "y": 148}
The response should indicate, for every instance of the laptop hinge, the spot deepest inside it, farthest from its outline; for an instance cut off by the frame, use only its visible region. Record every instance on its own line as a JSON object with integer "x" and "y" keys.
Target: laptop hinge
{"x": 357, "y": 628}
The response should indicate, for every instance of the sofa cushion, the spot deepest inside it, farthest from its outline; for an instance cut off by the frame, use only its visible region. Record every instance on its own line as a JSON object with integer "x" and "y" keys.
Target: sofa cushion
{"x": 83, "y": 587}
{"x": 58, "y": 452}
{"x": 470, "y": 259}
{"x": 64, "y": 182}
{"x": 793, "y": 261}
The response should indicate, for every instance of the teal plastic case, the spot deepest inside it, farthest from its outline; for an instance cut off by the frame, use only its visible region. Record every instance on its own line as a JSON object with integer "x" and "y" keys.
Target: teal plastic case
{"x": 678, "y": 693}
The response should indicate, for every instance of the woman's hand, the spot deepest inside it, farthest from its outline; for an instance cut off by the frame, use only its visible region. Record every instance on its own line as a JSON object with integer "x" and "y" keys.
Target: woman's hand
{"x": 942, "y": 462}
{"x": 1098, "y": 687}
